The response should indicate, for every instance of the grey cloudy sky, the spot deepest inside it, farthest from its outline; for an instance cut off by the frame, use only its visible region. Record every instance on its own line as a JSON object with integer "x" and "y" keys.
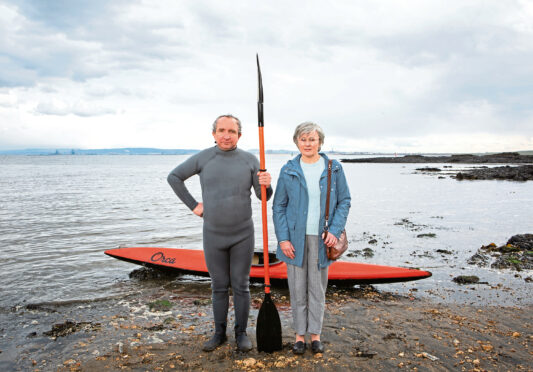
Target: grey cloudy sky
{"x": 409, "y": 76}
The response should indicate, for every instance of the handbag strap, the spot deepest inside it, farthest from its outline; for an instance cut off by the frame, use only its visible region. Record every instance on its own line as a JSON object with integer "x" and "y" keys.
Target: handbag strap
{"x": 327, "y": 195}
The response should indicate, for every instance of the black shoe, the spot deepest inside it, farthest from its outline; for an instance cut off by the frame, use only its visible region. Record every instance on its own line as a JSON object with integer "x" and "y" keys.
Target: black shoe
{"x": 243, "y": 342}
{"x": 299, "y": 348}
{"x": 317, "y": 347}
{"x": 214, "y": 342}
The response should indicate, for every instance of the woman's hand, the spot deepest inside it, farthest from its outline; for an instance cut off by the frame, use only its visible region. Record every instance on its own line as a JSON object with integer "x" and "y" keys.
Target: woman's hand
{"x": 287, "y": 248}
{"x": 330, "y": 240}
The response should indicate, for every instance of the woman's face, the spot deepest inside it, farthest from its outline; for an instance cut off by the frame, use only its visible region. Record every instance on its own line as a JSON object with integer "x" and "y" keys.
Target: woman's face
{"x": 308, "y": 144}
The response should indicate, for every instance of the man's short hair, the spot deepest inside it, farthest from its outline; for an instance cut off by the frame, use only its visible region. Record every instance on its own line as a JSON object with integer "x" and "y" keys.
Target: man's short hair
{"x": 306, "y": 128}
{"x": 227, "y": 116}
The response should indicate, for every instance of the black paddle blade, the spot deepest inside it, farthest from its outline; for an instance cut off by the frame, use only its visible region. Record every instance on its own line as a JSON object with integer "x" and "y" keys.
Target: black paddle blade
{"x": 268, "y": 329}
{"x": 261, "y": 119}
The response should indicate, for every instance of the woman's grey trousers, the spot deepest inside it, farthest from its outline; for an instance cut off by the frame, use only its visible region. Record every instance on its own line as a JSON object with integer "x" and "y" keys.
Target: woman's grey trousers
{"x": 307, "y": 286}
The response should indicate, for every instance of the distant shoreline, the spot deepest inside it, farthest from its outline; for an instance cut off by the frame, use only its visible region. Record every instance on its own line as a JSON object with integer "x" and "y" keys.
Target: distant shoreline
{"x": 112, "y": 151}
{"x": 499, "y": 158}
{"x": 381, "y": 157}
{"x": 121, "y": 151}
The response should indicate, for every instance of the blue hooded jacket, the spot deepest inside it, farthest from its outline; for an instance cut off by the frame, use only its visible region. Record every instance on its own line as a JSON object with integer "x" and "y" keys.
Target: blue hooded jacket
{"x": 290, "y": 205}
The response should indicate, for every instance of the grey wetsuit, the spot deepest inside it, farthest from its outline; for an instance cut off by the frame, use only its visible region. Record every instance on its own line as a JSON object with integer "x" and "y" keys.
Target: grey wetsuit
{"x": 226, "y": 178}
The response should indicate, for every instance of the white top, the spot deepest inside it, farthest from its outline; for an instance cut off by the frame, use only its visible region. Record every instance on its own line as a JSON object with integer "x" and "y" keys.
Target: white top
{"x": 312, "y": 173}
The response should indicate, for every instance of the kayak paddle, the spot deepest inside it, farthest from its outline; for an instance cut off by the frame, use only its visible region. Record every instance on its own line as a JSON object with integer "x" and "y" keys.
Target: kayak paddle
{"x": 268, "y": 330}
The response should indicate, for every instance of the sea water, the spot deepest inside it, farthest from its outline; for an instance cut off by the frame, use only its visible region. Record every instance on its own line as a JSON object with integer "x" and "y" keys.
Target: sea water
{"x": 58, "y": 214}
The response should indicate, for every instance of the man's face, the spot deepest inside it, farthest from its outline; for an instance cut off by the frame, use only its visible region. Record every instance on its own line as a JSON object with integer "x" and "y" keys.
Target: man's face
{"x": 226, "y": 134}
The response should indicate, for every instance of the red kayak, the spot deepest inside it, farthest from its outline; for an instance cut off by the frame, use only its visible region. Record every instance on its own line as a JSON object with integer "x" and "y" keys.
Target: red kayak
{"x": 191, "y": 261}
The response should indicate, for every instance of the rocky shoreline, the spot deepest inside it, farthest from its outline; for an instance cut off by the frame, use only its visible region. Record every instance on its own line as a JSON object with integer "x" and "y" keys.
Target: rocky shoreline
{"x": 162, "y": 325}
{"x": 500, "y": 158}
{"x": 512, "y": 173}
{"x": 516, "y": 254}
{"x": 518, "y": 173}
{"x": 363, "y": 329}
{"x": 520, "y": 170}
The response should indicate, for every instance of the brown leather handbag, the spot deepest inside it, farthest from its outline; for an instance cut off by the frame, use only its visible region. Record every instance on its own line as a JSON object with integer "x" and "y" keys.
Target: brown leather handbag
{"x": 342, "y": 243}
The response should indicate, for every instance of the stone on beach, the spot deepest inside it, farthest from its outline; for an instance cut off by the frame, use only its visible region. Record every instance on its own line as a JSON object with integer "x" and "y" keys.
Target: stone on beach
{"x": 466, "y": 279}
{"x": 516, "y": 254}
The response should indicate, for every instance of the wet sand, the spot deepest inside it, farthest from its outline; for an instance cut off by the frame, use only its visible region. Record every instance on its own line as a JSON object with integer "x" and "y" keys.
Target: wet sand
{"x": 163, "y": 328}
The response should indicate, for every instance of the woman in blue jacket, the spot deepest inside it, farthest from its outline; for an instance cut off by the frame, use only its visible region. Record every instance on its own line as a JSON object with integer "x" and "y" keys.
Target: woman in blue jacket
{"x": 299, "y": 218}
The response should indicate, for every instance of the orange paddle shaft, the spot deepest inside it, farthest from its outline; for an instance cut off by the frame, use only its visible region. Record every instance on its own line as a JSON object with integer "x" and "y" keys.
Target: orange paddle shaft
{"x": 264, "y": 210}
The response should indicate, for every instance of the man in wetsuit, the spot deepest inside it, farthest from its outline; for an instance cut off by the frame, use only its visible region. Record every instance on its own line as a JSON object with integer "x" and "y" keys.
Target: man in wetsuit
{"x": 226, "y": 176}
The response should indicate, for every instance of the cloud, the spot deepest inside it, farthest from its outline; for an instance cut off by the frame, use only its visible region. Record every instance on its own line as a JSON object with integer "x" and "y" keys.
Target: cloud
{"x": 78, "y": 109}
{"x": 80, "y": 42}
{"x": 363, "y": 70}
{"x": 31, "y": 52}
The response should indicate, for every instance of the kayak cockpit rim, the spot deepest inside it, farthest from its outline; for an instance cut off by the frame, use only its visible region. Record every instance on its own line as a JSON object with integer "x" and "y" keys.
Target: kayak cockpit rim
{"x": 257, "y": 259}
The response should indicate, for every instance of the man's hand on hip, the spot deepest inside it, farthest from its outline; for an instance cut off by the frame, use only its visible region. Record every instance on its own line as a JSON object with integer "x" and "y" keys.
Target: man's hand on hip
{"x": 199, "y": 210}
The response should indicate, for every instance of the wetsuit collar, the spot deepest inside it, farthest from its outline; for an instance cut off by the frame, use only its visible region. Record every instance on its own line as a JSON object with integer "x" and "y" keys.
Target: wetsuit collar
{"x": 218, "y": 149}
